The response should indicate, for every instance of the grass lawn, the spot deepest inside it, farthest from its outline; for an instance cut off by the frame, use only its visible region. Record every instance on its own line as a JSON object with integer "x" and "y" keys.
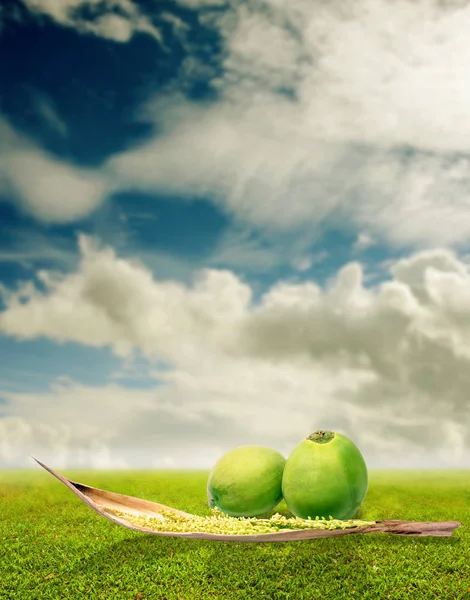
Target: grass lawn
{"x": 54, "y": 546}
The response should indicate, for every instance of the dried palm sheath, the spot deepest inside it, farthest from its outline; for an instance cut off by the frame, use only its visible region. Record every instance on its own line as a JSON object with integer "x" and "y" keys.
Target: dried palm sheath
{"x": 106, "y": 503}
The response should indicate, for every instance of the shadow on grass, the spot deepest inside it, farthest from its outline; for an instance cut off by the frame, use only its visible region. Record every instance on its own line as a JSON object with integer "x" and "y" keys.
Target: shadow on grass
{"x": 198, "y": 564}
{"x": 226, "y": 565}
{"x": 236, "y": 561}
{"x": 284, "y": 570}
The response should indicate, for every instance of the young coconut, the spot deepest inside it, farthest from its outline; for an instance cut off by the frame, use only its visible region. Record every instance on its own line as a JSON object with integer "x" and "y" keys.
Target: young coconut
{"x": 246, "y": 481}
{"x": 325, "y": 475}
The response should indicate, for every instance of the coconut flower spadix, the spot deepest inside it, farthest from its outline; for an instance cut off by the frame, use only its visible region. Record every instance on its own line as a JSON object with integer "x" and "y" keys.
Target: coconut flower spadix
{"x": 325, "y": 475}
{"x": 150, "y": 517}
{"x": 246, "y": 481}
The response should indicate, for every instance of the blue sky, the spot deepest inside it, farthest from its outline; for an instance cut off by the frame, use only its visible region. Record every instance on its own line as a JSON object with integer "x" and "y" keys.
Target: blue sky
{"x": 227, "y": 222}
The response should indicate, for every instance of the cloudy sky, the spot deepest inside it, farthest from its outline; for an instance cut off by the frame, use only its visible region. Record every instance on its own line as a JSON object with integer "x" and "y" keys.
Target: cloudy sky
{"x": 228, "y": 222}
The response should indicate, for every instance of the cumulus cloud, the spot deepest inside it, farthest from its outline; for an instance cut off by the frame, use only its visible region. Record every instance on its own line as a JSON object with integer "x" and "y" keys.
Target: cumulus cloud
{"x": 116, "y": 20}
{"x": 323, "y": 113}
{"x": 44, "y": 186}
{"x": 388, "y": 365}
{"x": 69, "y": 426}
{"x": 108, "y": 294}
{"x": 194, "y": 414}
{"x": 58, "y": 444}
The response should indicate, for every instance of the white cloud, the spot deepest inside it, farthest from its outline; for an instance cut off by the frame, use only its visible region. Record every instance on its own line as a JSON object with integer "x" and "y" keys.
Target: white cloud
{"x": 116, "y": 20}
{"x": 362, "y": 242}
{"x": 232, "y": 158}
{"x": 388, "y": 366}
{"x": 305, "y": 263}
{"x": 108, "y": 292}
{"x": 197, "y": 4}
{"x": 61, "y": 446}
{"x": 416, "y": 272}
{"x": 358, "y": 114}
{"x": 50, "y": 189}
{"x": 46, "y": 187}
{"x": 197, "y": 414}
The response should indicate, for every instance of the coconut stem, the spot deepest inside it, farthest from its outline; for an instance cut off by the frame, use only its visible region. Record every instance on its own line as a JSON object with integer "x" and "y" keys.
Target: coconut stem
{"x": 321, "y": 437}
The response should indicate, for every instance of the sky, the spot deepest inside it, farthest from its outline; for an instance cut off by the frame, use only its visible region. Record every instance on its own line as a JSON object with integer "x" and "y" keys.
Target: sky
{"x": 228, "y": 222}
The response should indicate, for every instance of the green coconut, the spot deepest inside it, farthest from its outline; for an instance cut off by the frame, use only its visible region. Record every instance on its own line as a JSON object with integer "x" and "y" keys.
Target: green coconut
{"x": 246, "y": 481}
{"x": 325, "y": 475}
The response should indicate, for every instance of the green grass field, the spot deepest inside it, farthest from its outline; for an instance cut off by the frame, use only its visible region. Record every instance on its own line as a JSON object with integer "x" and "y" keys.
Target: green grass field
{"x": 54, "y": 546}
